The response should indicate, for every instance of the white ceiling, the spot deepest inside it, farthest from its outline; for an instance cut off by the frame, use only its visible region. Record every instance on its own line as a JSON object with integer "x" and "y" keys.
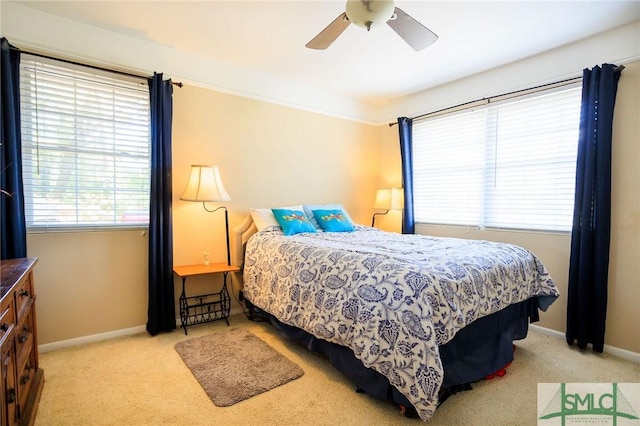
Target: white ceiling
{"x": 268, "y": 37}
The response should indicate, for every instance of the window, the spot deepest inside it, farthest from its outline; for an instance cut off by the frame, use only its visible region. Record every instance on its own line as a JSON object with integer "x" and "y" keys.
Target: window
{"x": 85, "y": 146}
{"x": 509, "y": 164}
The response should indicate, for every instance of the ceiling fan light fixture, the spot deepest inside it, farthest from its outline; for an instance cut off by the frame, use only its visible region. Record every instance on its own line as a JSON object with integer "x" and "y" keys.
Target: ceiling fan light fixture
{"x": 371, "y": 13}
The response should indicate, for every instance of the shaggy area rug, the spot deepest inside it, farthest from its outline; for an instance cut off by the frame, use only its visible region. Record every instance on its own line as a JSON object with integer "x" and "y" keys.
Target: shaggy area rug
{"x": 233, "y": 364}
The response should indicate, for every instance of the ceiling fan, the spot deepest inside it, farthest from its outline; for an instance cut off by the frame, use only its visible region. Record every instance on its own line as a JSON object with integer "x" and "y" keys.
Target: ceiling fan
{"x": 373, "y": 13}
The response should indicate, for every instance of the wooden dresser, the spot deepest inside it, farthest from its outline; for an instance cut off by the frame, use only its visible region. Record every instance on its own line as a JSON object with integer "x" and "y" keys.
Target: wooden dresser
{"x": 21, "y": 377}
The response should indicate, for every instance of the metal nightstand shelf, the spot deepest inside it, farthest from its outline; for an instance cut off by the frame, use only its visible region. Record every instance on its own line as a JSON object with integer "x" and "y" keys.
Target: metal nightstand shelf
{"x": 203, "y": 308}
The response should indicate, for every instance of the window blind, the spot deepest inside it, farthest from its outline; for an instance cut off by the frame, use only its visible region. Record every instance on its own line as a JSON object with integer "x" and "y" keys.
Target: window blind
{"x": 504, "y": 165}
{"x": 85, "y": 146}
{"x": 448, "y": 162}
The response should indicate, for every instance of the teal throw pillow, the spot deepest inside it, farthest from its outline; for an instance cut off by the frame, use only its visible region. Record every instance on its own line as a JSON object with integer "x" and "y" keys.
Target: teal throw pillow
{"x": 333, "y": 220}
{"x": 293, "y": 221}
{"x": 309, "y": 208}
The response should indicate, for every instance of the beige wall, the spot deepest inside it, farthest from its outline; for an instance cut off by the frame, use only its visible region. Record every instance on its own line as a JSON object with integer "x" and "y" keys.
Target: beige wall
{"x": 96, "y": 282}
{"x": 268, "y": 156}
{"x": 623, "y": 316}
{"x": 623, "y": 313}
{"x": 88, "y": 282}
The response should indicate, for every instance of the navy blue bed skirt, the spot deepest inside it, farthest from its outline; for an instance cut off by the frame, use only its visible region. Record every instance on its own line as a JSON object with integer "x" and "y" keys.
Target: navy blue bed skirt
{"x": 480, "y": 349}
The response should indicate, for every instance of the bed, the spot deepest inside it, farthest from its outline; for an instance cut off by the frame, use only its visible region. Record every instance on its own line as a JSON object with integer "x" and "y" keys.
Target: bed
{"x": 408, "y": 318}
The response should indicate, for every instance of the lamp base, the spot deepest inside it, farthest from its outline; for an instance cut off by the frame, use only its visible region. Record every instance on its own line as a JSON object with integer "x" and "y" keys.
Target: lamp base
{"x": 226, "y": 227}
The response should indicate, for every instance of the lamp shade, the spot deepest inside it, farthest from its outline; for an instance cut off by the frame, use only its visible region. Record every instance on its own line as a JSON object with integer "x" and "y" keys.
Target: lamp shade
{"x": 369, "y": 14}
{"x": 205, "y": 184}
{"x": 389, "y": 199}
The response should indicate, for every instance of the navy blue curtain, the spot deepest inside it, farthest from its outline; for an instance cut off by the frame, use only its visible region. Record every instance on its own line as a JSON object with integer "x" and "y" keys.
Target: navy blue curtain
{"x": 589, "y": 260}
{"x": 161, "y": 312}
{"x": 13, "y": 230}
{"x": 406, "y": 153}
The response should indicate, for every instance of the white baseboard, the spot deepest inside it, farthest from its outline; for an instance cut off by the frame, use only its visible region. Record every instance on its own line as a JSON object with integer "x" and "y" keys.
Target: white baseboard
{"x": 48, "y": 347}
{"x": 612, "y": 350}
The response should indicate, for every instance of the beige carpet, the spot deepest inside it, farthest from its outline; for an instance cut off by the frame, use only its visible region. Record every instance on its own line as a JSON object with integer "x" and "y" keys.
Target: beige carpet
{"x": 141, "y": 380}
{"x": 233, "y": 364}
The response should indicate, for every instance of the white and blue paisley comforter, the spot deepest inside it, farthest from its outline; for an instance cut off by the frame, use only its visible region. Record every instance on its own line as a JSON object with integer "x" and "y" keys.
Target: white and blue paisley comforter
{"x": 391, "y": 298}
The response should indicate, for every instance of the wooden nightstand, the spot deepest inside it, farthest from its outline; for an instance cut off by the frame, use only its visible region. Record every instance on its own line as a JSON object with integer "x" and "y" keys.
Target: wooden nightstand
{"x": 204, "y": 307}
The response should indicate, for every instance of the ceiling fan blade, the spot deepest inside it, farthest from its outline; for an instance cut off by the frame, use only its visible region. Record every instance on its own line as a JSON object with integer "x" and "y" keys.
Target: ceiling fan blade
{"x": 413, "y": 32}
{"x": 330, "y": 33}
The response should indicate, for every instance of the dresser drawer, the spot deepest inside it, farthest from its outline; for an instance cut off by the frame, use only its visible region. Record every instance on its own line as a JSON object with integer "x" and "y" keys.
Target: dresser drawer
{"x": 9, "y": 414}
{"x": 24, "y": 338}
{"x": 24, "y": 296}
{"x": 7, "y": 321}
{"x": 26, "y": 374}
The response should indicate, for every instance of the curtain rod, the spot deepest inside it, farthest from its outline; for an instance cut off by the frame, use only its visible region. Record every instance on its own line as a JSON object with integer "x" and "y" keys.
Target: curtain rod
{"x": 515, "y": 92}
{"x": 67, "y": 61}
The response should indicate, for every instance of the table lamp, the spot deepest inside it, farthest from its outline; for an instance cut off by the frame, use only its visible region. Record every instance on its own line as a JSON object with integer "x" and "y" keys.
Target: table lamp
{"x": 205, "y": 185}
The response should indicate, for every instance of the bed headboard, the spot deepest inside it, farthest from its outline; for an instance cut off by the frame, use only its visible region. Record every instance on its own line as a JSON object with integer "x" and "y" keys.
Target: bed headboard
{"x": 240, "y": 236}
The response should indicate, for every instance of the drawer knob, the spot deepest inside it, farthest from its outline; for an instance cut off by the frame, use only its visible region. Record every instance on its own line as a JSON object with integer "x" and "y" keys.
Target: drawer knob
{"x": 11, "y": 396}
{"x": 23, "y": 338}
{"x": 24, "y": 379}
{"x": 23, "y": 293}
{"x": 4, "y": 326}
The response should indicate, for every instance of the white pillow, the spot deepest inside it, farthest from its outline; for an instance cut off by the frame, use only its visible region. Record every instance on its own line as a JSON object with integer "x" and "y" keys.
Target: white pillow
{"x": 308, "y": 210}
{"x": 264, "y": 218}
